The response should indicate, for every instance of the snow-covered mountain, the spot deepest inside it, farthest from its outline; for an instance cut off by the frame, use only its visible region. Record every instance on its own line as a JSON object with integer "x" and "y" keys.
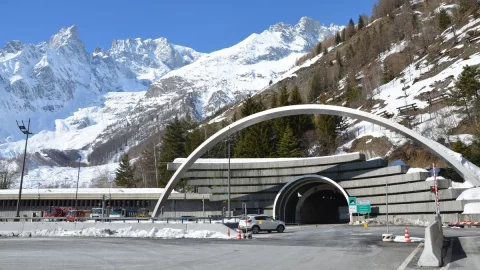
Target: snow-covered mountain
{"x": 67, "y": 91}
{"x": 221, "y": 77}
{"x": 53, "y": 79}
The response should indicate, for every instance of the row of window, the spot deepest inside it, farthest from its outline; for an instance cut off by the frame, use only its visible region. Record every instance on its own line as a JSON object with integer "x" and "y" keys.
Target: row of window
{"x": 80, "y": 203}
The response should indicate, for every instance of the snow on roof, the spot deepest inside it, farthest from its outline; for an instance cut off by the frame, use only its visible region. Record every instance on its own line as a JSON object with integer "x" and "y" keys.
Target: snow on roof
{"x": 86, "y": 191}
{"x": 470, "y": 194}
{"x": 252, "y": 160}
{"x": 415, "y": 170}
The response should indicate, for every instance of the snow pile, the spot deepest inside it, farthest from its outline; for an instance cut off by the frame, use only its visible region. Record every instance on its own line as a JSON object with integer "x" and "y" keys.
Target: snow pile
{"x": 432, "y": 179}
{"x": 471, "y": 208}
{"x": 401, "y": 239}
{"x": 461, "y": 185}
{"x": 166, "y": 233}
{"x": 470, "y": 194}
{"x": 395, "y": 221}
{"x": 415, "y": 170}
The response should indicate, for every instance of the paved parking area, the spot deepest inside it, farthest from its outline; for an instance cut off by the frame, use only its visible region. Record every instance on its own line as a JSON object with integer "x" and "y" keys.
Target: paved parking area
{"x": 303, "y": 247}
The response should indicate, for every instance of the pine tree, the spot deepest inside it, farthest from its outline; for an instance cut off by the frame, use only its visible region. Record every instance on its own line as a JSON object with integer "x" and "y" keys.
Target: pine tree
{"x": 325, "y": 51}
{"x": 124, "y": 176}
{"x": 274, "y": 103}
{"x": 283, "y": 100}
{"x": 466, "y": 90}
{"x": 288, "y": 145}
{"x": 443, "y": 19}
{"x": 318, "y": 48}
{"x": 329, "y": 127}
{"x": 338, "y": 38}
{"x": 351, "y": 29}
{"x": 298, "y": 123}
{"x": 344, "y": 34}
{"x": 361, "y": 23}
{"x": 173, "y": 146}
{"x": 352, "y": 92}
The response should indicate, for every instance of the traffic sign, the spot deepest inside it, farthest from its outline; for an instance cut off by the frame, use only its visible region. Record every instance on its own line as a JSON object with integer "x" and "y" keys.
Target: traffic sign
{"x": 352, "y": 200}
{"x": 364, "y": 208}
{"x": 352, "y": 209}
{"x": 363, "y": 202}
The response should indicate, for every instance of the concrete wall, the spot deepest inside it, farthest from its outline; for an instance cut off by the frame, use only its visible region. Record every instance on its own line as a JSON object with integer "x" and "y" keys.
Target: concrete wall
{"x": 432, "y": 251}
{"x": 400, "y": 188}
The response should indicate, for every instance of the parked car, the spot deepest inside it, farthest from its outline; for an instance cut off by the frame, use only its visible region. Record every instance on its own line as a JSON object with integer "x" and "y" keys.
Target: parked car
{"x": 257, "y": 223}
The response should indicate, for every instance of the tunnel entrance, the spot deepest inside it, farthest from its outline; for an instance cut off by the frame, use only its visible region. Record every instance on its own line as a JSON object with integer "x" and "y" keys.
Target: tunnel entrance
{"x": 324, "y": 207}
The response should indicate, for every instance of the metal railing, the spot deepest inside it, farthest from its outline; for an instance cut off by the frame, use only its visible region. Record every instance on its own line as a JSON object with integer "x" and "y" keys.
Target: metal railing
{"x": 124, "y": 219}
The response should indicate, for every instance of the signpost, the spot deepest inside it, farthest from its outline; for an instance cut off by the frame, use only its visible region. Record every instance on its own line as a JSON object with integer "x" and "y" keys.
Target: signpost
{"x": 352, "y": 205}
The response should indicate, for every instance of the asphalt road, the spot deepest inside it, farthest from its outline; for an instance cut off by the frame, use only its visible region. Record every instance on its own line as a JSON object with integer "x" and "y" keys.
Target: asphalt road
{"x": 305, "y": 247}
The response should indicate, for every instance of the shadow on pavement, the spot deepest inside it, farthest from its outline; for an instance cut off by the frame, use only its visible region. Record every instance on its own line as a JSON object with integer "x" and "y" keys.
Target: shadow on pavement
{"x": 457, "y": 250}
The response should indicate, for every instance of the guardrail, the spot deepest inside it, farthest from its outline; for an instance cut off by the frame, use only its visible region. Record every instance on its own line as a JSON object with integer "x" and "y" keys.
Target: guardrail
{"x": 124, "y": 219}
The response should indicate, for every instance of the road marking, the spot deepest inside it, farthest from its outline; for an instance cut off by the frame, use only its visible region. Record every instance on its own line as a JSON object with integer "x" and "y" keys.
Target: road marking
{"x": 449, "y": 256}
{"x": 410, "y": 257}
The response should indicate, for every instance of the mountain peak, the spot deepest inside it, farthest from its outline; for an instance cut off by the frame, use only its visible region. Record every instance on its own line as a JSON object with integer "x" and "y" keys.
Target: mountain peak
{"x": 63, "y": 36}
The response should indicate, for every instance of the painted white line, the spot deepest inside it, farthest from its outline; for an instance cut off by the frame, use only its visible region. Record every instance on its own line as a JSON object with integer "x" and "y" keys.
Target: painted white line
{"x": 410, "y": 257}
{"x": 449, "y": 256}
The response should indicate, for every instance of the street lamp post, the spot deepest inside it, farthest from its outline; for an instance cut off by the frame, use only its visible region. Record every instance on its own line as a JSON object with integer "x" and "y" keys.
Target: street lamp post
{"x": 78, "y": 179}
{"x": 229, "y": 213}
{"x": 26, "y": 131}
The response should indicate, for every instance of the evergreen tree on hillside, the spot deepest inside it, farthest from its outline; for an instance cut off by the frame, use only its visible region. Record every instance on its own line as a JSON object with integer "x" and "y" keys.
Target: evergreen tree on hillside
{"x": 173, "y": 146}
{"x": 329, "y": 128}
{"x": 124, "y": 176}
{"x": 338, "y": 38}
{"x": 344, "y": 34}
{"x": 299, "y": 123}
{"x": 466, "y": 91}
{"x": 314, "y": 90}
{"x": 325, "y": 51}
{"x": 351, "y": 29}
{"x": 443, "y": 19}
{"x": 283, "y": 100}
{"x": 274, "y": 102}
{"x": 361, "y": 23}
{"x": 288, "y": 145}
{"x": 318, "y": 48}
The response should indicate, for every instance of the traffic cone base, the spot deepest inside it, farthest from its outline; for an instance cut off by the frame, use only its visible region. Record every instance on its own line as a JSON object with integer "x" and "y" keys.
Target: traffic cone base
{"x": 407, "y": 235}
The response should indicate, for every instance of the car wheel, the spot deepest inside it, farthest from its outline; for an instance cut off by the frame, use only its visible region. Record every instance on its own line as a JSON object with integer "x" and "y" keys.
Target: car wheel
{"x": 280, "y": 228}
{"x": 255, "y": 229}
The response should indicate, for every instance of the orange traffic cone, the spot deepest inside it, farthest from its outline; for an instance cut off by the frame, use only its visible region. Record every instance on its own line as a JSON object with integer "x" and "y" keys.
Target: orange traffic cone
{"x": 228, "y": 232}
{"x": 407, "y": 236}
{"x": 239, "y": 234}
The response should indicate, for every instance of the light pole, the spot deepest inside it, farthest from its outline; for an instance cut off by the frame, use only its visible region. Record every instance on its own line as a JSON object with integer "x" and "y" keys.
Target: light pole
{"x": 228, "y": 180}
{"x": 386, "y": 188}
{"x": 78, "y": 179}
{"x": 26, "y": 131}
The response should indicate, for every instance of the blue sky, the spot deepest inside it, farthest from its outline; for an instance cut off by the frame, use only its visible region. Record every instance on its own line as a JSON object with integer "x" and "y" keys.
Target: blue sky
{"x": 204, "y": 25}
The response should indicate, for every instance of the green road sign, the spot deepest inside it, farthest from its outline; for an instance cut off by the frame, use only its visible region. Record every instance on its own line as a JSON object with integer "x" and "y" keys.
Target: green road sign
{"x": 352, "y": 200}
{"x": 364, "y": 208}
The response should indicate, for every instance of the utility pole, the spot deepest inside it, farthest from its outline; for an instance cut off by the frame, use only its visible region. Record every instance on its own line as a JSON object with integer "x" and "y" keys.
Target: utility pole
{"x": 78, "y": 180}
{"x": 155, "y": 157}
{"x": 386, "y": 188}
{"x": 229, "y": 213}
{"x": 26, "y": 131}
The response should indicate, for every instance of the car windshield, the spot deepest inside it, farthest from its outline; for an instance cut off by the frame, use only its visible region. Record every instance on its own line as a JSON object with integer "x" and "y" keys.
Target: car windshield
{"x": 72, "y": 212}
{"x": 97, "y": 210}
{"x": 116, "y": 212}
{"x": 52, "y": 211}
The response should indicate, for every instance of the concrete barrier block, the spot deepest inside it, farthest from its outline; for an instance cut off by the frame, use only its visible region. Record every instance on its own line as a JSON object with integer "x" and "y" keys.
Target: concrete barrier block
{"x": 432, "y": 251}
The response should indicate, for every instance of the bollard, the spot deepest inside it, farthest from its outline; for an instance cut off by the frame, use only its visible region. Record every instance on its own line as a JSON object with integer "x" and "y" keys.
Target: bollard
{"x": 365, "y": 225}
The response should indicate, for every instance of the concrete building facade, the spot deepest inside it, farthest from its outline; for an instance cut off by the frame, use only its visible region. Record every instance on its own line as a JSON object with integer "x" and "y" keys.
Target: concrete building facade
{"x": 321, "y": 187}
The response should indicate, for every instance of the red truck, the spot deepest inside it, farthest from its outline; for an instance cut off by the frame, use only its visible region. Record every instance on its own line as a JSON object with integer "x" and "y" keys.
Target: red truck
{"x": 53, "y": 212}
{"x": 77, "y": 215}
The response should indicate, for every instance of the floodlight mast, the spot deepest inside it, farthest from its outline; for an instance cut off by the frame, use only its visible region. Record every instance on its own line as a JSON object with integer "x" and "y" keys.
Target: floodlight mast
{"x": 26, "y": 131}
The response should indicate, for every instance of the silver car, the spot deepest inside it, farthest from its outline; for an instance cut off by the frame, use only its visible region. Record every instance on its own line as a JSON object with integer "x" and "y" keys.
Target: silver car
{"x": 257, "y": 223}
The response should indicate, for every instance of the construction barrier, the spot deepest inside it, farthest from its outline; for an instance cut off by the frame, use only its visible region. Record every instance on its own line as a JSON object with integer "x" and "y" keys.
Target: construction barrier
{"x": 432, "y": 251}
{"x": 461, "y": 223}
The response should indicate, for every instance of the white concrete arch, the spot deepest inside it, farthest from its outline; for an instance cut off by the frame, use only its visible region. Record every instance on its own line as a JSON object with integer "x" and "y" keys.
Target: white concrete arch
{"x": 433, "y": 146}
